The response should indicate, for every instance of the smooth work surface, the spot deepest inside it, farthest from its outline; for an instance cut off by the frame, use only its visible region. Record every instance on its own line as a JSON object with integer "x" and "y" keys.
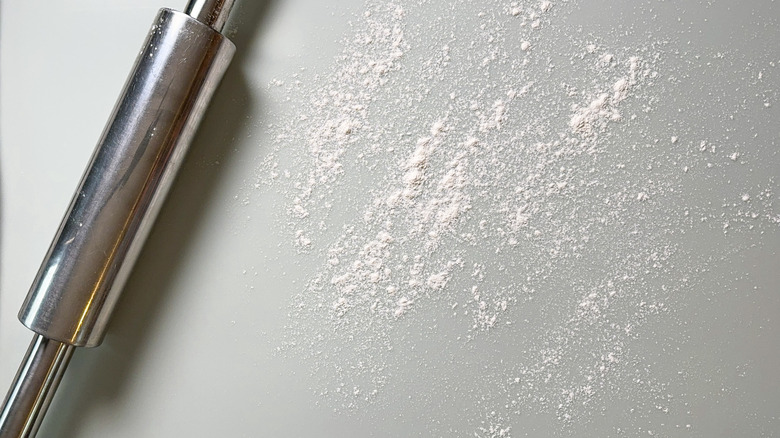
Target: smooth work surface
{"x": 423, "y": 218}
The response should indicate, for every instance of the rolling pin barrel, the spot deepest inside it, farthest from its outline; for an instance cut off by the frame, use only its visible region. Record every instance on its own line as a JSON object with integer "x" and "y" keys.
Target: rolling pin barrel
{"x": 132, "y": 168}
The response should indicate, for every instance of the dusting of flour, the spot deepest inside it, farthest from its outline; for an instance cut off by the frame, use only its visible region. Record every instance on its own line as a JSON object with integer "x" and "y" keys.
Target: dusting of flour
{"x": 452, "y": 177}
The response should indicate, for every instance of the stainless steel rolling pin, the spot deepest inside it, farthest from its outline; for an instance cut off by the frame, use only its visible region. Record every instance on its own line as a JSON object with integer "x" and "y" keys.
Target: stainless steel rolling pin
{"x": 142, "y": 147}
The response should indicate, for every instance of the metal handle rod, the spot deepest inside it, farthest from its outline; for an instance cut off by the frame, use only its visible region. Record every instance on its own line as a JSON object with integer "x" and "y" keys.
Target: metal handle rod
{"x": 36, "y": 381}
{"x": 213, "y": 13}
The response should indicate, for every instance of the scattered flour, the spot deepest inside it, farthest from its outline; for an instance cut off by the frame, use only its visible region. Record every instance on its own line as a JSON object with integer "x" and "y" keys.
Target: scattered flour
{"x": 517, "y": 210}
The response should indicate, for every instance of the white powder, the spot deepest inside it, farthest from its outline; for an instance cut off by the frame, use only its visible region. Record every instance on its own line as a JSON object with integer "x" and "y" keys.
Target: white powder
{"x": 482, "y": 196}
{"x": 438, "y": 281}
{"x": 591, "y": 119}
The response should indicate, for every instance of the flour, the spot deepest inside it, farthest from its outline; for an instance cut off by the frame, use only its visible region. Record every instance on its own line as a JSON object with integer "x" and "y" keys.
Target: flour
{"x": 525, "y": 213}
{"x": 603, "y": 109}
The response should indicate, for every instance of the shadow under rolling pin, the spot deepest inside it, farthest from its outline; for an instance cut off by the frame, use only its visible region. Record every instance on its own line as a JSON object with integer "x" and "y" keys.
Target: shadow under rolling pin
{"x": 111, "y": 213}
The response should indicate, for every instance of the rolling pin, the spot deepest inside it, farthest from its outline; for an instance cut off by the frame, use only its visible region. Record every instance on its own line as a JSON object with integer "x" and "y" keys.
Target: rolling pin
{"x": 112, "y": 211}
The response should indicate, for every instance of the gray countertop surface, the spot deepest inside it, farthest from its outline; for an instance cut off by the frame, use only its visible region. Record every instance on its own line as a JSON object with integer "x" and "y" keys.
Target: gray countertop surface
{"x": 423, "y": 218}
